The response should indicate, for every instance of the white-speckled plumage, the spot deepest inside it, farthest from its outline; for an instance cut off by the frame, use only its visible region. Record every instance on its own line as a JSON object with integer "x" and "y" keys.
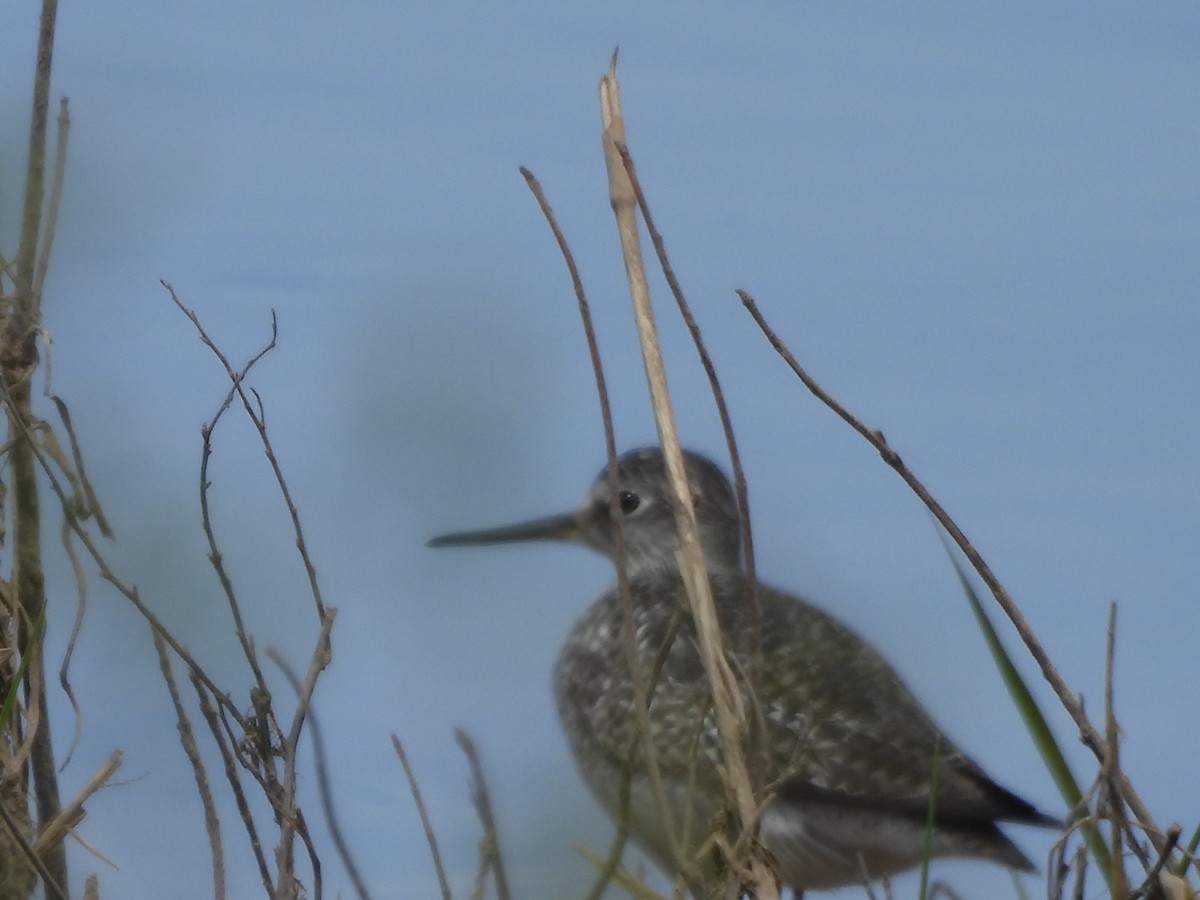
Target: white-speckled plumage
{"x": 849, "y": 750}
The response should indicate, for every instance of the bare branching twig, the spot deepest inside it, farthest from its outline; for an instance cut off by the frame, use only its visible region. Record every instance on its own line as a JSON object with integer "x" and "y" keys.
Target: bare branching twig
{"x": 254, "y": 413}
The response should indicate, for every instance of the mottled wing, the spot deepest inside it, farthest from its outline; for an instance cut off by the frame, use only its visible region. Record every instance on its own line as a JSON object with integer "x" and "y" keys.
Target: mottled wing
{"x": 844, "y": 727}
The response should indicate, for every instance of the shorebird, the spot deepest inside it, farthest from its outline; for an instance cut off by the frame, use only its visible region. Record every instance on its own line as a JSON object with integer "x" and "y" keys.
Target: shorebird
{"x": 849, "y": 752}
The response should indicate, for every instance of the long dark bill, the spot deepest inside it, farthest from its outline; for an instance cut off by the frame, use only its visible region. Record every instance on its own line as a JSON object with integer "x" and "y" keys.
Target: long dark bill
{"x": 551, "y": 528}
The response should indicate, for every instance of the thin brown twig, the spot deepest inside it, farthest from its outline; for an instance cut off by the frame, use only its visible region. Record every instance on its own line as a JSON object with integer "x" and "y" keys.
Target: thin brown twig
{"x": 642, "y": 687}
{"x": 314, "y": 860}
{"x": 612, "y": 863}
{"x": 215, "y": 724}
{"x": 206, "y": 432}
{"x": 728, "y": 703}
{"x": 259, "y": 422}
{"x": 291, "y": 818}
{"x": 1088, "y": 734}
{"x": 1151, "y": 883}
{"x": 128, "y": 591}
{"x": 1057, "y": 869}
{"x": 280, "y": 792}
{"x": 323, "y": 788}
{"x": 64, "y": 668}
{"x": 757, "y": 733}
{"x": 1083, "y": 818}
{"x": 430, "y": 837}
{"x": 492, "y": 857}
{"x": 86, "y": 505}
{"x": 216, "y": 560}
{"x": 1080, "y": 872}
{"x": 187, "y": 737}
{"x": 264, "y": 723}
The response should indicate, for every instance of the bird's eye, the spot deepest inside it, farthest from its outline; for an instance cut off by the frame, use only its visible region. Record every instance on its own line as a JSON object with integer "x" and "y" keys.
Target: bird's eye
{"x": 629, "y": 501}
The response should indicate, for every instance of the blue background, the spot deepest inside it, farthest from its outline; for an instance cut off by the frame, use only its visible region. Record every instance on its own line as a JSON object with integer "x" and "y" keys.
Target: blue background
{"x": 976, "y": 225}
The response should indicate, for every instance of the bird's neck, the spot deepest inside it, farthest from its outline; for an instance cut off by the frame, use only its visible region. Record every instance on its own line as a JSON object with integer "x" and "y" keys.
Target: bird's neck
{"x": 646, "y": 567}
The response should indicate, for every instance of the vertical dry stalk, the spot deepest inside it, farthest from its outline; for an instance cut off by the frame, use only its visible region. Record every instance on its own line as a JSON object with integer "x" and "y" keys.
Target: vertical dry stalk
{"x": 638, "y": 678}
{"x": 21, "y": 316}
{"x": 756, "y": 736}
{"x": 727, "y": 699}
{"x": 29, "y": 790}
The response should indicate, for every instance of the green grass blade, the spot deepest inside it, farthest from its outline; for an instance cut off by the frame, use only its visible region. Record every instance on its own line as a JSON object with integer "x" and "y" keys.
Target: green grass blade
{"x": 1047, "y": 746}
{"x": 1190, "y": 856}
{"x": 930, "y": 815}
{"x": 11, "y": 696}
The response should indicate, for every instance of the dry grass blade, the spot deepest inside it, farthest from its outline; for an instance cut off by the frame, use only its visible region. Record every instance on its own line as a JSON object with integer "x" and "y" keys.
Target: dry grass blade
{"x": 727, "y": 699}
{"x": 757, "y": 747}
{"x": 490, "y": 856}
{"x": 430, "y": 837}
{"x": 72, "y": 812}
{"x": 34, "y": 860}
{"x": 621, "y": 877}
